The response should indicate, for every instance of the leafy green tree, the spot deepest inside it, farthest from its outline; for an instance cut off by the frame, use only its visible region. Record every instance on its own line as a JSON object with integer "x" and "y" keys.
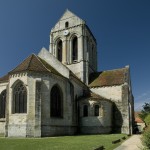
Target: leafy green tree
{"x": 145, "y": 111}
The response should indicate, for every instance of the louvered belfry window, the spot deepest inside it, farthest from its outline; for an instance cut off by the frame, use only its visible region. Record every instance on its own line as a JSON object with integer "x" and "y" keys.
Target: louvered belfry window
{"x": 59, "y": 50}
{"x": 20, "y": 98}
{"x": 75, "y": 49}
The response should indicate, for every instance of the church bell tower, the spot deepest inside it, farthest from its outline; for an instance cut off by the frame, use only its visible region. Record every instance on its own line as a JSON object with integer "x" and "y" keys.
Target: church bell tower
{"x": 73, "y": 44}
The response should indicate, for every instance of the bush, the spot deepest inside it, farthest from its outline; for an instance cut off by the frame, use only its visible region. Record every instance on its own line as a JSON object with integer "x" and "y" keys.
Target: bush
{"x": 147, "y": 120}
{"x": 146, "y": 138}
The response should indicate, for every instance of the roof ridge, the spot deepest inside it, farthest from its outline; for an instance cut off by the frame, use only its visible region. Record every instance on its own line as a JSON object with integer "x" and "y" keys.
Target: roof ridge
{"x": 30, "y": 60}
{"x": 43, "y": 64}
{"x": 112, "y": 69}
{"x": 18, "y": 64}
{"x": 116, "y": 69}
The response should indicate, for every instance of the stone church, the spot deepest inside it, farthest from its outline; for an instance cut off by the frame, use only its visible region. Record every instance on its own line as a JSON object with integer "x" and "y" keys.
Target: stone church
{"x": 60, "y": 92}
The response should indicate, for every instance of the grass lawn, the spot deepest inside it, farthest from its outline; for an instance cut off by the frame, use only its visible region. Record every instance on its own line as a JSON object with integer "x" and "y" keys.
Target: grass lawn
{"x": 81, "y": 142}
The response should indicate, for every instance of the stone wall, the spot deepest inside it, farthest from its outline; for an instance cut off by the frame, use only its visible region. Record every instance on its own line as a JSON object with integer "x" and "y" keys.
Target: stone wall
{"x": 113, "y": 93}
{"x": 120, "y": 96}
{"x": 67, "y": 125}
{"x": 2, "y": 126}
{"x": 92, "y": 124}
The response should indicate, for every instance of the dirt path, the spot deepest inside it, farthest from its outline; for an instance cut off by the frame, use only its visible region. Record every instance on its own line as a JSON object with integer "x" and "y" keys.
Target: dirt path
{"x": 133, "y": 143}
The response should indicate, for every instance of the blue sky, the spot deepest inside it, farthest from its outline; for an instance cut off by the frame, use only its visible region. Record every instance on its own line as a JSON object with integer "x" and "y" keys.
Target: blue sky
{"x": 121, "y": 27}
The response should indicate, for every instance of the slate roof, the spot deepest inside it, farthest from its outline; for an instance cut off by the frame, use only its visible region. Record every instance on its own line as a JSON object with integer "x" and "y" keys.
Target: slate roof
{"x": 108, "y": 78}
{"x": 4, "y": 78}
{"x": 35, "y": 64}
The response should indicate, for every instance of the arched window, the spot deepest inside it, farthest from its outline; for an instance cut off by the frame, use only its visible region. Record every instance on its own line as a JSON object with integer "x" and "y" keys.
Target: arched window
{"x": 59, "y": 50}
{"x": 85, "y": 110}
{"x": 2, "y": 104}
{"x": 19, "y": 98}
{"x": 56, "y": 103}
{"x": 96, "y": 110}
{"x": 75, "y": 48}
{"x": 66, "y": 24}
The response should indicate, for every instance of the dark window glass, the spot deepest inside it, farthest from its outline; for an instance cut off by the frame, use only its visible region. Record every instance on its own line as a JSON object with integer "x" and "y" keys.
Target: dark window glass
{"x": 59, "y": 50}
{"x": 20, "y": 98}
{"x": 75, "y": 49}
{"x": 96, "y": 110}
{"x": 85, "y": 111}
{"x": 56, "y": 102}
{"x": 66, "y": 24}
{"x": 2, "y": 104}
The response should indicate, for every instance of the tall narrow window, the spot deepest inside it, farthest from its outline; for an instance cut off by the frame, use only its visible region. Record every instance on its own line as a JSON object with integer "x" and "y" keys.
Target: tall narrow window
{"x": 92, "y": 52}
{"x": 75, "y": 49}
{"x": 85, "y": 110}
{"x": 59, "y": 50}
{"x": 66, "y": 24}
{"x": 20, "y": 98}
{"x": 2, "y": 104}
{"x": 96, "y": 110}
{"x": 56, "y": 104}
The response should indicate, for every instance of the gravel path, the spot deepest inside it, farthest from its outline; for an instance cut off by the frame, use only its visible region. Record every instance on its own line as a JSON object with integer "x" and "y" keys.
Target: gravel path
{"x": 133, "y": 143}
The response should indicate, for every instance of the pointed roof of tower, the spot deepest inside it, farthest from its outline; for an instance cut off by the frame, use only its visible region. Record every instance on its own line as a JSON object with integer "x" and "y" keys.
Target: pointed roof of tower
{"x": 68, "y": 14}
{"x": 35, "y": 64}
{"x": 73, "y": 19}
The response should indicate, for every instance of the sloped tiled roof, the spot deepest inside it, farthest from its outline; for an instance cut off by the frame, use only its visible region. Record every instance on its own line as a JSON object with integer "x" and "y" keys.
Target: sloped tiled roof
{"x": 35, "y": 64}
{"x": 108, "y": 78}
{"x": 4, "y": 78}
{"x": 93, "y": 96}
{"x": 137, "y": 118}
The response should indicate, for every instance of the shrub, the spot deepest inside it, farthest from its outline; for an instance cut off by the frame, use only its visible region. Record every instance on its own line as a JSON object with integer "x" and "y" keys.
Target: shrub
{"x": 146, "y": 138}
{"x": 147, "y": 120}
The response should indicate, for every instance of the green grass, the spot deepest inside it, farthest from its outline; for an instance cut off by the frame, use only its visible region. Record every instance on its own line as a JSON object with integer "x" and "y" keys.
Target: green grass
{"x": 87, "y": 142}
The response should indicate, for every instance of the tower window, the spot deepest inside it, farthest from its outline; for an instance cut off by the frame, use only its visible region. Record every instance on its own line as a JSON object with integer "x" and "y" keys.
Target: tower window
{"x": 56, "y": 103}
{"x": 2, "y": 104}
{"x": 20, "y": 98}
{"x": 96, "y": 110}
{"x": 75, "y": 49}
{"x": 85, "y": 110}
{"x": 66, "y": 24}
{"x": 59, "y": 50}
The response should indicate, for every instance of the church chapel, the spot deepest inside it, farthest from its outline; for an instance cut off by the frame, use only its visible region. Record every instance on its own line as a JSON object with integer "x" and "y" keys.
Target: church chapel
{"x": 60, "y": 92}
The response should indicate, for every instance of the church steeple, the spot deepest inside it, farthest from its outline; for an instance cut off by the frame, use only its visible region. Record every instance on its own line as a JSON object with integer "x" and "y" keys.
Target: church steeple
{"x": 72, "y": 43}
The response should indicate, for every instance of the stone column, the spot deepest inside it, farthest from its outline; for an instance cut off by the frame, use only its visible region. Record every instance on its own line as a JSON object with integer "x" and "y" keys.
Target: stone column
{"x": 51, "y": 44}
{"x": 80, "y": 48}
{"x": 64, "y": 57}
{"x": 37, "y": 132}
